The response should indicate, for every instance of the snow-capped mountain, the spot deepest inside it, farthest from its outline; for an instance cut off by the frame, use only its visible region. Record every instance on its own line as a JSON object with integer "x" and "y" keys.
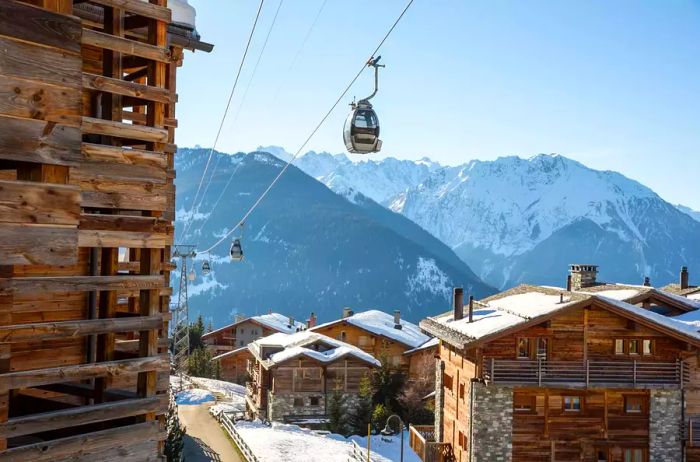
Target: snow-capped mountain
{"x": 308, "y": 248}
{"x": 694, "y": 214}
{"x": 523, "y": 220}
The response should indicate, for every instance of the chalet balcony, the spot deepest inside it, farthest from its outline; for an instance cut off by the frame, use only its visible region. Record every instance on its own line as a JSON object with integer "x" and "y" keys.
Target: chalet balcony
{"x": 591, "y": 373}
{"x": 422, "y": 440}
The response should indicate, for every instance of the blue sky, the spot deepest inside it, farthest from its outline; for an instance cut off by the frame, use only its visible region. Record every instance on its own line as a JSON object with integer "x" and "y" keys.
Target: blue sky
{"x": 615, "y": 85}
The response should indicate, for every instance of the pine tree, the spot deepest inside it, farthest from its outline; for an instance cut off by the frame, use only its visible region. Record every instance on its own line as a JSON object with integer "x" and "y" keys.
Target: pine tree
{"x": 359, "y": 417}
{"x": 380, "y": 415}
{"x": 336, "y": 411}
{"x": 174, "y": 443}
{"x": 387, "y": 382}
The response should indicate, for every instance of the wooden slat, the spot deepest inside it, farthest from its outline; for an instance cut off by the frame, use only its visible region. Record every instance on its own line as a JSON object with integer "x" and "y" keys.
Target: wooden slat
{"x": 125, "y": 196}
{"x": 140, "y": 8}
{"x": 155, "y": 225}
{"x": 122, "y": 130}
{"x": 86, "y": 443}
{"x": 170, "y": 122}
{"x": 124, "y": 367}
{"x": 33, "y": 100}
{"x": 79, "y": 283}
{"x": 54, "y": 330}
{"x": 129, "y": 239}
{"x": 116, "y": 154}
{"x": 122, "y": 87}
{"x": 40, "y": 26}
{"x": 130, "y": 47}
{"x": 37, "y": 203}
{"x": 118, "y": 172}
{"x": 37, "y": 141}
{"x": 33, "y": 62}
{"x": 38, "y": 245}
{"x": 82, "y": 415}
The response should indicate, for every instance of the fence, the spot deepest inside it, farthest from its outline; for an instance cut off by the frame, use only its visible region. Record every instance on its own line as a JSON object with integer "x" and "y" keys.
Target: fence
{"x": 230, "y": 428}
{"x": 359, "y": 454}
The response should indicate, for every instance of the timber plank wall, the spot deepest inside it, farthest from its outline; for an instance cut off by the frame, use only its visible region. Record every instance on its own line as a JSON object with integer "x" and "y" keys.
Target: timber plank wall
{"x": 87, "y": 117}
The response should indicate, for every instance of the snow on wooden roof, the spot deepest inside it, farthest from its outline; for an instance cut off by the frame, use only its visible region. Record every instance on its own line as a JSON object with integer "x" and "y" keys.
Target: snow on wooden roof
{"x": 517, "y": 306}
{"x": 230, "y": 353}
{"x": 306, "y": 343}
{"x": 274, "y": 321}
{"x": 381, "y": 323}
{"x": 433, "y": 342}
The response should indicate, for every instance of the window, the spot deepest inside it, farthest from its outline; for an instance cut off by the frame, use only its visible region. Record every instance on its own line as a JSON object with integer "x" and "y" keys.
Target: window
{"x": 298, "y": 402}
{"x": 314, "y": 400}
{"x": 523, "y": 403}
{"x": 396, "y": 360}
{"x": 309, "y": 373}
{"x": 241, "y": 330}
{"x": 447, "y": 381}
{"x": 634, "y": 347}
{"x": 647, "y": 347}
{"x": 635, "y": 404}
{"x": 342, "y": 336}
{"x": 364, "y": 341}
{"x": 619, "y": 346}
{"x": 602, "y": 455}
{"x": 461, "y": 391}
{"x": 634, "y": 455}
{"x": 462, "y": 441}
{"x": 523, "y": 348}
{"x": 240, "y": 343}
{"x": 572, "y": 403}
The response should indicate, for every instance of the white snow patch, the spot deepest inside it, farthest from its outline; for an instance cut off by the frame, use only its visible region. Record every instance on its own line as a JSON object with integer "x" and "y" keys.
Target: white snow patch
{"x": 194, "y": 396}
{"x": 430, "y": 278}
{"x": 617, "y": 294}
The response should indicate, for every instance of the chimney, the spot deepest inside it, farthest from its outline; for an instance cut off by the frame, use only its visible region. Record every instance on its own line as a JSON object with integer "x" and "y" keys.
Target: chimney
{"x": 684, "y": 277}
{"x": 568, "y": 283}
{"x": 347, "y": 312}
{"x": 583, "y": 276}
{"x": 457, "y": 303}
{"x": 471, "y": 308}
{"x": 291, "y": 322}
{"x": 647, "y": 281}
{"x": 397, "y": 319}
{"x": 269, "y": 311}
{"x": 312, "y": 320}
{"x": 561, "y": 297}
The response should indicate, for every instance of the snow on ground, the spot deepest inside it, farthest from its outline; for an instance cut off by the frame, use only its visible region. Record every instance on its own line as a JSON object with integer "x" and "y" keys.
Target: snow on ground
{"x": 194, "y": 396}
{"x": 233, "y": 400}
{"x": 291, "y": 443}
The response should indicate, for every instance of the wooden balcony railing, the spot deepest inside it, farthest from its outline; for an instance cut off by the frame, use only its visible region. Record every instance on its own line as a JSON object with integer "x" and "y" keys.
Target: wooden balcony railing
{"x": 694, "y": 432}
{"x": 585, "y": 373}
{"x": 422, "y": 440}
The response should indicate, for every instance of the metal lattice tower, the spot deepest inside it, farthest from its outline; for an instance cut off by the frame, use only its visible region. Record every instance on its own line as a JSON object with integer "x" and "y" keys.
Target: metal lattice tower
{"x": 180, "y": 325}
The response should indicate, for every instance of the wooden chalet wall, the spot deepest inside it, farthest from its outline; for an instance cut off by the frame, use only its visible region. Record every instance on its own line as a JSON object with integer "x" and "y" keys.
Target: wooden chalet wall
{"x": 86, "y": 210}
{"x": 376, "y": 345}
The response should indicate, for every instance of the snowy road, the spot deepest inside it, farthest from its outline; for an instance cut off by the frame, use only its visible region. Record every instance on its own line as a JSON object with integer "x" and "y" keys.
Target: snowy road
{"x": 205, "y": 440}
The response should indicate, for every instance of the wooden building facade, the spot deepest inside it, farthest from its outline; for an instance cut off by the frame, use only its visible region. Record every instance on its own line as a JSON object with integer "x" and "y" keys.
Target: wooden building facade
{"x": 535, "y": 374}
{"x": 87, "y": 126}
{"x": 293, "y": 376}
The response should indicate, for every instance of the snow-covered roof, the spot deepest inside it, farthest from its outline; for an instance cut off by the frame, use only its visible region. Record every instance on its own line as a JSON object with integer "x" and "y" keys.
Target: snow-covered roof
{"x": 433, "y": 342}
{"x": 618, "y": 294}
{"x": 381, "y": 323}
{"x": 518, "y": 306}
{"x": 230, "y": 353}
{"x": 303, "y": 343}
{"x": 694, "y": 296}
{"x": 274, "y": 321}
{"x": 689, "y": 300}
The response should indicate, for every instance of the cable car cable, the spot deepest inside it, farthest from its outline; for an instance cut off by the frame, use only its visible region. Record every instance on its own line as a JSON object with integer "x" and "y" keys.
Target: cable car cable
{"x": 235, "y": 119}
{"x": 318, "y": 126}
{"x": 195, "y": 205}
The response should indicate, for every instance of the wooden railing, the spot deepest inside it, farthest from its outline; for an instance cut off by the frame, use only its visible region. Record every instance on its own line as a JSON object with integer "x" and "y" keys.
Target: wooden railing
{"x": 230, "y": 428}
{"x": 421, "y": 438}
{"x": 585, "y": 373}
{"x": 694, "y": 432}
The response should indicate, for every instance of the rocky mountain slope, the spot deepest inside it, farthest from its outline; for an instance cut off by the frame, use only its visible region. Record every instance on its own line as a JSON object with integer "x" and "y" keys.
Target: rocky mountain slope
{"x": 308, "y": 248}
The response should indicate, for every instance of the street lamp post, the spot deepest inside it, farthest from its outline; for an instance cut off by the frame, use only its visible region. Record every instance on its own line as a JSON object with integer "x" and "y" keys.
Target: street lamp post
{"x": 387, "y": 431}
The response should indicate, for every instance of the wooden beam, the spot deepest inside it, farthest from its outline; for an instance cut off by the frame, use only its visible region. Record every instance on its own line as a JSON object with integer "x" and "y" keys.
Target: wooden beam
{"x": 30, "y": 202}
{"x": 124, "y": 223}
{"x": 126, "y": 46}
{"x": 28, "y": 140}
{"x": 123, "y": 130}
{"x": 49, "y": 451}
{"x": 124, "y": 367}
{"x": 78, "y": 283}
{"x": 130, "y": 239}
{"x": 140, "y": 8}
{"x": 61, "y": 329}
{"x": 82, "y": 415}
{"x": 122, "y": 87}
{"x": 40, "y": 26}
{"x": 27, "y": 244}
{"x": 49, "y": 66}
{"x": 31, "y": 99}
{"x": 120, "y": 155}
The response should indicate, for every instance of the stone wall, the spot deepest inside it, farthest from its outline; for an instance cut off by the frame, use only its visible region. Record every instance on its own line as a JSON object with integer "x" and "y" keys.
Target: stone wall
{"x": 665, "y": 414}
{"x": 439, "y": 399}
{"x": 492, "y": 437}
{"x": 280, "y": 406}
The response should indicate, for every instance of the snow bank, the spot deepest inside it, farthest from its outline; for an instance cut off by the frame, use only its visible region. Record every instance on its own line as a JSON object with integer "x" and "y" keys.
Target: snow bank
{"x": 194, "y": 396}
{"x": 219, "y": 386}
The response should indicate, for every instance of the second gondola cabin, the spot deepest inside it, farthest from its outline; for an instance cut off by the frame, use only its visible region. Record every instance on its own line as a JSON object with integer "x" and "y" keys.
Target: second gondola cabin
{"x": 361, "y": 131}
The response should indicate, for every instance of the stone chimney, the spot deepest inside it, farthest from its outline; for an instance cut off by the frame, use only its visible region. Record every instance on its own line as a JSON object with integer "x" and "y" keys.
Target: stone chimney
{"x": 291, "y": 322}
{"x": 347, "y": 312}
{"x": 684, "y": 277}
{"x": 583, "y": 276}
{"x": 471, "y": 308}
{"x": 312, "y": 320}
{"x": 457, "y": 303}
{"x": 647, "y": 281}
{"x": 568, "y": 283}
{"x": 397, "y": 320}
